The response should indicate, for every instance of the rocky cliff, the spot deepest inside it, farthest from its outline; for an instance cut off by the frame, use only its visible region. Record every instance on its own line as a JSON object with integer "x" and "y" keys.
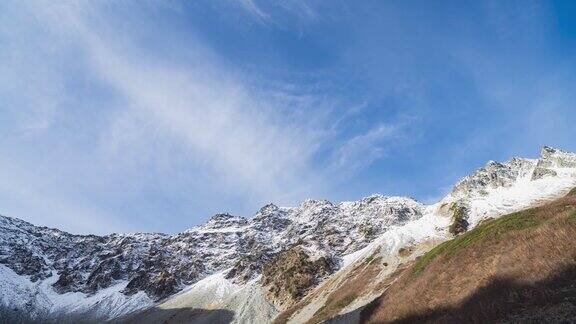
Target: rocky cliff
{"x": 268, "y": 262}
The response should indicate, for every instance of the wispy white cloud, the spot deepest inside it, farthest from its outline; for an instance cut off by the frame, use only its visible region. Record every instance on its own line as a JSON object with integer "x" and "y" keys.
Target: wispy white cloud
{"x": 361, "y": 150}
{"x": 249, "y": 141}
{"x": 272, "y": 12}
{"x": 198, "y": 123}
{"x": 235, "y": 131}
{"x": 254, "y": 9}
{"x": 30, "y": 90}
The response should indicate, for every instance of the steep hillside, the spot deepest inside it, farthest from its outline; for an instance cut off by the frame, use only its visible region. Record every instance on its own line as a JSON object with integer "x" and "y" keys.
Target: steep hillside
{"x": 310, "y": 263}
{"x": 490, "y": 192}
{"x": 518, "y": 268}
{"x": 58, "y": 275}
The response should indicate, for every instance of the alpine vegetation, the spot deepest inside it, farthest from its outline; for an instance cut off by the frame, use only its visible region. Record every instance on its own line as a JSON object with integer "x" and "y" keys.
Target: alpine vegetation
{"x": 316, "y": 261}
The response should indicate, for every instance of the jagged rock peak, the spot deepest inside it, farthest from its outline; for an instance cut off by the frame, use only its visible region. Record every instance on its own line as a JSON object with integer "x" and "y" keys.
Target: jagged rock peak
{"x": 314, "y": 203}
{"x": 494, "y": 175}
{"x": 267, "y": 209}
{"x": 373, "y": 198}
{"x": 553, "y": 162}
{"x": 223, "y": 216}
{"x": 550, "y": 153}
{"x": 548, "y": 150}
{"x": 271, "y": 218}
{"x": 383, "y": 210}
{"x": 561, "y": 157}
{"x": 379, "y": 198}
{"x": 225, "y": 220}
{"x": 378, "y": 201}
{"x": 161, "y": 265}
{"x": 11, "y": 223}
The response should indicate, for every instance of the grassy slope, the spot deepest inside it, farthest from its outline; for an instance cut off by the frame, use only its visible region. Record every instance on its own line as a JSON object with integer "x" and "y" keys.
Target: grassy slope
{"x": 341, "y": 297}
{"x": 521, "y": 266}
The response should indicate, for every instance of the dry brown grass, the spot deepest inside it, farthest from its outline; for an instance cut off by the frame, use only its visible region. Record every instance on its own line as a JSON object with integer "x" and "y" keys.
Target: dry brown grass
{"x": 523, "y": 250}
{"x": 389, "y": 280}
{"x": 355, "y": 285}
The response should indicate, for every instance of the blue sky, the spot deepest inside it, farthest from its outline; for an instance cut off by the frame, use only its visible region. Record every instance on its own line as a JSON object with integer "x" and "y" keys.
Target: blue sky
{"x": 123, "y": 116}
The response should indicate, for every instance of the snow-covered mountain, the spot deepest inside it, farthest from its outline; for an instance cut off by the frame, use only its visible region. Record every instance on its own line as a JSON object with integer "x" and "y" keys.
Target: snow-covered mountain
{"x": 136, "y": 270}
{"x": 252, "y": 267}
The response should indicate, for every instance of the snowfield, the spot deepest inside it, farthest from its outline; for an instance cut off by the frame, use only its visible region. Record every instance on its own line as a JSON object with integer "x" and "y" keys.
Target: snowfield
{"x": 50, "y": 275}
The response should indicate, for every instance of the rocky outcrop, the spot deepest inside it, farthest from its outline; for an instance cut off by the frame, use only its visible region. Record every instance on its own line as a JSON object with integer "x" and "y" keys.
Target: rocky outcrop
{"x": 480, "y": 198}
{"x": 292, "y": 273}
{"x": 493, "y": 175}
{"x": 551, "y": 160}
{"x": 459, "y": 223}
{"x": 161, "y": 265}
{"x": 159, "y": 285}
{"x": 494, "y": 183}
{"x": 310, "y": 239}
{"x": 249, "y": 265}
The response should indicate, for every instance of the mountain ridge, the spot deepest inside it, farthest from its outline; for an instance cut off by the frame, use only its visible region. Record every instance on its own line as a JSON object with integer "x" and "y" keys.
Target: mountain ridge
{"x": 136, "y": 271}
{"x": 518, "y": 268}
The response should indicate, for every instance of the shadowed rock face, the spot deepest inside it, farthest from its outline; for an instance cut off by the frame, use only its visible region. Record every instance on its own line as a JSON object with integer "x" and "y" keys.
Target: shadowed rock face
{"x": 161, "y": 265}
{"x": 309, "y": 240}
{"x": 292, "y": 273}
{"x": 90, "y": 263}
{"x": 160, "y": 285}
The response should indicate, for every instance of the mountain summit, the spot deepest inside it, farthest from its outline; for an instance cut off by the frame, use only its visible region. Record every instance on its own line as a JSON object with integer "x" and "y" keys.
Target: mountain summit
{"x": 259, "y": 267}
